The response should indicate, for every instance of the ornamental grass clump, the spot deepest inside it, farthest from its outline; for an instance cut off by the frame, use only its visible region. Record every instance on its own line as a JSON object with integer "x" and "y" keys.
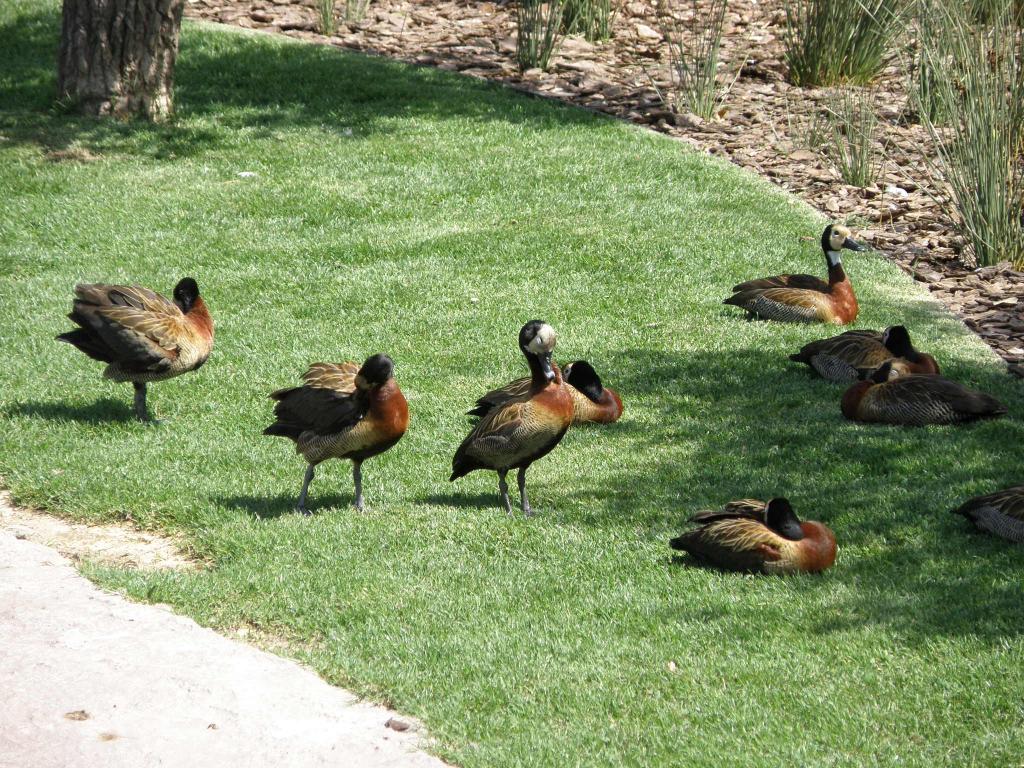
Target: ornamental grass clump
{"x": 832, "y": 42}
{"x": 694, "y": 45}
{"x": 355, "y": 10}
{"x": 852, "y": 145}
{"x": 539, "y": 26}
{"x": 979, "y": 148}
{"x": 591, "y": 18}
{"x": 325, "y": 13}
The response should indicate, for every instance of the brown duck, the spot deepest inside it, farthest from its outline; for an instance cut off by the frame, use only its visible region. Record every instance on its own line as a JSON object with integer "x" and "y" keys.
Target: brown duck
{"x": 916, "y": 400}
{"x": 343, "y": 411}
{"x": 805, "y": 298}
{"x": 752, "y": 536}
{"x": 851, "y": 355}
{"x": 592, "y": 402}
{"x": 514, "y": 434}
{"x": 1000, "y": 513}
{"x": 140, "y": 335}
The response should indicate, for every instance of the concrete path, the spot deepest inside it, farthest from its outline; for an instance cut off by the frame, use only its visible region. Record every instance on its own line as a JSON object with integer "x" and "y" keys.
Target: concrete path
{"x": 90, "y": 679}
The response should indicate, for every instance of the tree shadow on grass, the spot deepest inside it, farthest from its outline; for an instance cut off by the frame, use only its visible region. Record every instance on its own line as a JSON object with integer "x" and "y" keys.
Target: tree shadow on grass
{"x": 247, "y": 82}
{"x": 765, "y": 429}
{"x": 103, "y": 411}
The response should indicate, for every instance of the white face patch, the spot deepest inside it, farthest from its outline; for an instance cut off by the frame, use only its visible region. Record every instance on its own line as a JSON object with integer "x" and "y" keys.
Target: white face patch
{"x": 544, "y": 341}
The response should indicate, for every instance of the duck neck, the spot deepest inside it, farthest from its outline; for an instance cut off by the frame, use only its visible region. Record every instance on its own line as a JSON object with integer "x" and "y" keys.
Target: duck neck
{"x": 199, "y": 316}
{"x": 836, "y": 273}
{"x": 538, "y": 376}
{"x": 852, "y": 398}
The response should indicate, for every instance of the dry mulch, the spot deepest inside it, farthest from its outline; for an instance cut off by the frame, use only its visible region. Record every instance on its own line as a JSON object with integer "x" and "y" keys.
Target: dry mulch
{"x": 763, "y": 124}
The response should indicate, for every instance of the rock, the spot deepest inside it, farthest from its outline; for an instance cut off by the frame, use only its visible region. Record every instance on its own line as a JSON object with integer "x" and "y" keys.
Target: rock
{"x": 647, "y": 33}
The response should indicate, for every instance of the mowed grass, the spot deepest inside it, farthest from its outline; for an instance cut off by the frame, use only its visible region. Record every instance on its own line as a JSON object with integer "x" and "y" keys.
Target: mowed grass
{"x": 428, "y": 216}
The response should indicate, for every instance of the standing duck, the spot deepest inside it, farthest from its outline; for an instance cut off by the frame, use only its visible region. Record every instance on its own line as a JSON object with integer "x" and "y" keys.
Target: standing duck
{"x": 517, "y": 432}
{"x": 752, "y": 536}
{"x": 1000, "y": 513}
{"x": 141, "y": 336}
{"x": 592, "y": 402}
{"x": 805, "y": 298}
{"x": 343, "y": 411}
{"x": 916, "y": 400}
{"x": 846, "y": 356}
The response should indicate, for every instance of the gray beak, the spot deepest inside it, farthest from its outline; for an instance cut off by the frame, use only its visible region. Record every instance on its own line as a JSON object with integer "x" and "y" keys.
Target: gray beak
{"x": 545, "y": 364}
{"x": 853, "y": 245}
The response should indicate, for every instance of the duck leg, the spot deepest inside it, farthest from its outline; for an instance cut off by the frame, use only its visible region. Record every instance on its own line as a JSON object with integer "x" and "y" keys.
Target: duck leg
{"x": 503, "y": 487}
{"x": 301, "y": 506}
{"x": 357, "y": 478}
{"x": 141, "y": 412}
{"x": 525, "y": 502}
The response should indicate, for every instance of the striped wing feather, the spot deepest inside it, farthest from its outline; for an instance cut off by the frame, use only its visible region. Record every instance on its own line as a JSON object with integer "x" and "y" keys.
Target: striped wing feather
{"x": 326, "y": 404}
{"x": 917, "y": 400}
{"x": 142, "y": 329}
{"x": 518, "y": 389}
{"x": 1009, "y": 502}
{"x": 735, "y": 543}
{"x": 791, "y": 305}
{"x": 340, "y": 377}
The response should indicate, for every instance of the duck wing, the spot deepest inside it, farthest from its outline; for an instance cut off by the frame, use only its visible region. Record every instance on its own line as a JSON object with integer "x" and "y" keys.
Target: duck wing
{"x": 803, "y": 282}
{"x": 516, "y": 390}
{"x": 919, "y": 399}
{"x": 791, "y": 305}
{"x": 324, "y": 405}
{"x": 139, "y": 328}
{"x": 735, "y": 544}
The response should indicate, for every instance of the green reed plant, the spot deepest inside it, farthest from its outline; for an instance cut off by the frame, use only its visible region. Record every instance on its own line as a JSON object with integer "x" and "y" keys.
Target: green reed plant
{"x": 325, "y": 17}
{"x": 978, "y": 149}
{"x": 591, "y": 18}
{"x": 924, "y": 79}
{"x": 831, "y": 42}
{"x": 539, "y": 26}
{"x": 852, "y": 144}
{"x": 355, "y": 10}
{"x": 694, "y": 45}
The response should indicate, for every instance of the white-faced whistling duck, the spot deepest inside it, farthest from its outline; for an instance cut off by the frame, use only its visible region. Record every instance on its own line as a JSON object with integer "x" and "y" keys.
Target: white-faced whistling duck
{"x": 516, "y": 433}
{"x": 805, "y": 298}
{"x": 916, "y": 400}
{"x": 592, "y": 402}
{"x": 1000, "y": 513}
{"x": 139, "y": 334}
{"x": 342, "y": 412}
{"x": 855, "y": 354}
{"x": 752, "y": 536}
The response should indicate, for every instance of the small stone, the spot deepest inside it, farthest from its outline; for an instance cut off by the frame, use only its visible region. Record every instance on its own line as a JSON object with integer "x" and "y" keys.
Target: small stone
{"x": 647, "y": 33}
{"x": 899, "y": 192}
{"x": 246, "y": 174}
{"x": 397, "y": 725}
{"x": 78, "y": 714}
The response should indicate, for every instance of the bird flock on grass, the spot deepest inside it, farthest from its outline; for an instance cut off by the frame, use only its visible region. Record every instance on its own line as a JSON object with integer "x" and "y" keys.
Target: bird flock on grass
{"x": 350, "y": 411}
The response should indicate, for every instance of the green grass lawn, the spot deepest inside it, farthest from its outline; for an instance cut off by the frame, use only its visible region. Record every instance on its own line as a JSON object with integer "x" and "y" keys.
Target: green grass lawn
{"x": 428, "y": 216}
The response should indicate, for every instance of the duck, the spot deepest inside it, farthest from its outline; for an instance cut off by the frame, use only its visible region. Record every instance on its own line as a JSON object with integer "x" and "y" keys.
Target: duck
{"x": 751, "y": 536}
{"x": 805, "y": 298}
{"x": 854, "y": 354}
{"x": 517, "y": 432}
{"x": 593, "y": 403}
{"x": 916, "y": 400}
{"x": 140, "y": 335}
{"x": 1000, "y": 513}
{"x": 342, "y": 411}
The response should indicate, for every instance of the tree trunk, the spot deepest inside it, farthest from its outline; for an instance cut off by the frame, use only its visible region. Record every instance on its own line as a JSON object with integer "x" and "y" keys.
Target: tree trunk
{"x": 117, "y": 56}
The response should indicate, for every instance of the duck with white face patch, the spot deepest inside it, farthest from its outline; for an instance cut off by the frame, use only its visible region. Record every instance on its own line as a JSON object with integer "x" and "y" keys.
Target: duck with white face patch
{"x": 521, "y": 430}
{"x": 805, "y": 298}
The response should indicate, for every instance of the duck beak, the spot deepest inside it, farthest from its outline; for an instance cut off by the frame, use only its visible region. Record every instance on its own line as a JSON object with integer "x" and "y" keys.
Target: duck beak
{"x": 545, "y": 364}
{"x": 853, "y": 245}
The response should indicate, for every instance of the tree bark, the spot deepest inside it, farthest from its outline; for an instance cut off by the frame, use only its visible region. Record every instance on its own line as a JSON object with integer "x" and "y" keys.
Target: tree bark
{"x": 117, "y": 56}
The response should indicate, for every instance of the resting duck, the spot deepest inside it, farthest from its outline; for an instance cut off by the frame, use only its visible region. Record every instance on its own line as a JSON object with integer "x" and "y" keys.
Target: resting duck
{"x": 916, "y": 400}
{"x": 141, "y": 336}
{"x": 752, "y": 536}
{"x": 519, "y": 431}
{"x": 850, "y": 355}
{"x": 805, "y": 298}
{"x": 343, "y": 411}
{"x": 592, "y": 402}
{"x": 1000, "y": 513}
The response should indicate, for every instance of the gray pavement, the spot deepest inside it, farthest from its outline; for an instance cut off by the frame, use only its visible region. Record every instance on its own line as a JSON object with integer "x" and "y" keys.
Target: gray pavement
{"x": 90, "y": 679}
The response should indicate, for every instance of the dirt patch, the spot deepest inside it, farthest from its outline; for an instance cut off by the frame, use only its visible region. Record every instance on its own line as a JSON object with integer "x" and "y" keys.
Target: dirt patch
{"x": 114, "y": 545}
{"x": 761, "y": 126}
